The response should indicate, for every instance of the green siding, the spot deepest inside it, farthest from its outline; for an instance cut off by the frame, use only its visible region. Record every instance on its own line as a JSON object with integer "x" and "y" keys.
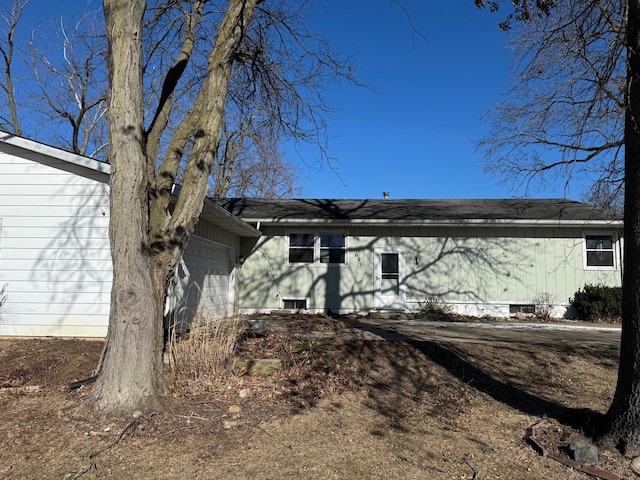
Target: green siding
{"x": 461, "y": 265}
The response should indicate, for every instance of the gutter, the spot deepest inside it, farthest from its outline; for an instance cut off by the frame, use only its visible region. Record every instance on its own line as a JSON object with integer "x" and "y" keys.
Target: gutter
{"x": 472, "y": 222}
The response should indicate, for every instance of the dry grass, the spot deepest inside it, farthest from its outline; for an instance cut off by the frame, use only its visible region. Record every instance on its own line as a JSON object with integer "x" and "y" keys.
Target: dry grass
{"x": 3, "y": 300}
{"x": 340, "y": 408}
{"x": 201, "y": 357}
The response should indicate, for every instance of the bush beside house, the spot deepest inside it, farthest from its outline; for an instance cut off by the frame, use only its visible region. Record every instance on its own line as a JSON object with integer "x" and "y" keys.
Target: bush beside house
{"x": 598, "y": 302}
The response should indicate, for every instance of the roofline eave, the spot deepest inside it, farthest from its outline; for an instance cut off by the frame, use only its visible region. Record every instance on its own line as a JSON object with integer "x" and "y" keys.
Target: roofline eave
{"x": 54, "y": 152}
{"x": 437, "y": 223}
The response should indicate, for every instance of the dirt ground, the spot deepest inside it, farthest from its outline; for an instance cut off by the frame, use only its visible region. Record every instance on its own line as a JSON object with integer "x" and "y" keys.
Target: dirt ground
{"x": 339, "y": 408}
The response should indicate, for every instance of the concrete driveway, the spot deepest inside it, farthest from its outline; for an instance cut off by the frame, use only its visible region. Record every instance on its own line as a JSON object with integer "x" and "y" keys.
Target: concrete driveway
{"x": 489, "y": 332}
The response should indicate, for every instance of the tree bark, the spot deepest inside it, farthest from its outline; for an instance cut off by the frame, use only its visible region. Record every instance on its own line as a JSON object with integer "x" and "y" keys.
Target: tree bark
{"x": 622, "y": 423}
{"x": 7, "y": 54}
{"x": 145, "y": 244}
{"x": 131, "y": 375}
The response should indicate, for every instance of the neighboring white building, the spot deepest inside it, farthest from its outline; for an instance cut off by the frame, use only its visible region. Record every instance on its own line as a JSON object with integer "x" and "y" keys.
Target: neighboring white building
{"x": 55, "y": 261}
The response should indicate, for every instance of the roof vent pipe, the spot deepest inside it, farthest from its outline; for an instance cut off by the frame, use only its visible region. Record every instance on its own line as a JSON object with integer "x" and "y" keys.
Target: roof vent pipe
{"x": 385, "y": 195}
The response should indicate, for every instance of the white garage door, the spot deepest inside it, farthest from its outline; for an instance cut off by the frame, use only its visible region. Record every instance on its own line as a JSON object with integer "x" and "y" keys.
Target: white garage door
{"x": 205, "y": 279}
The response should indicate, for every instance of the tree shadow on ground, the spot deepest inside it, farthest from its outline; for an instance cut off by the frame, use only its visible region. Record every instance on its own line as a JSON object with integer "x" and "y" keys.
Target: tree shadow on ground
{"x": 410, "y": 369}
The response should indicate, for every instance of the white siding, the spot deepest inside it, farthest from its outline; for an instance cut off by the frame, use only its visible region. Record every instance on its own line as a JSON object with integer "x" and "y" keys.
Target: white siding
{"x": 54, "y": 246}
{"x": 55, "y": 261}
{"x": 208, "y": 288}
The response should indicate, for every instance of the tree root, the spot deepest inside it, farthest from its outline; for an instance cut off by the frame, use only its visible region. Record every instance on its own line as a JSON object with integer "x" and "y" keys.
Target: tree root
{"x": 92, "y": 464}
{"x": 589, "y": 469}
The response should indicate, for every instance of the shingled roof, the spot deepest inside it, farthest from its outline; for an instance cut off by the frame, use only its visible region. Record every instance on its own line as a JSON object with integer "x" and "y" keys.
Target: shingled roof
{"x": 517, "y": 211}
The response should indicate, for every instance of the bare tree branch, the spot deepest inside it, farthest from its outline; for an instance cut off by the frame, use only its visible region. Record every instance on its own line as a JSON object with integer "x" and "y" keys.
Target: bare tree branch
{"x": 7, "y": 46}
{"x": 564, "y": 114}
{"x": 72, "y": 84}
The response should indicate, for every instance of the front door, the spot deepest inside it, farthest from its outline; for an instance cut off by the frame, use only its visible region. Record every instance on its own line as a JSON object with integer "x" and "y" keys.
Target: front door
{"x": 389, "y": 288}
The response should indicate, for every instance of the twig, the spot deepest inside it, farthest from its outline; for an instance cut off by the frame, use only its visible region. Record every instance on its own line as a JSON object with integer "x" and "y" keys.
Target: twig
{"x": 96, "y": 372}
{"x": 475, "y": 472}
{"x": 92, "y": 464}
{"x": 191, "y": 415}
{"x": 288, "y": 446}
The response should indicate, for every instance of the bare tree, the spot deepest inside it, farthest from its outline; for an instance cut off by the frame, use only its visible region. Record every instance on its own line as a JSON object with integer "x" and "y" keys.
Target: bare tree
{"x": 265, "y": 173}
{"x": 249, "y": 164}
{"x": 564, "y": 116}
{"x": 584, "y": 73}
{"x": 68, "y": 67}
{"x": 67, "y": 87}
{"x": 229, "y": 155}
{"x": 155, "y": 55}
{"x": 7, "y": 49}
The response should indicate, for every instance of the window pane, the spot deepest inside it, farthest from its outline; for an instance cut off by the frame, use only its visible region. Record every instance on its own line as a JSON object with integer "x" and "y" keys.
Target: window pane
{"x": 332, "y": 247}
{"x": 599, "y": 242}
{"x": 294, "y": 304}
{"x": 332, "y": 255}
{"x": 390, "y": 285}
{"x": 301, "y": 239}
{"x": 389, "y": 263}
{"x": 518, "y": 308}
{"x": 301, "y": 255}
{"x": 600, "y": 258}
{"x": 335, "y": 240}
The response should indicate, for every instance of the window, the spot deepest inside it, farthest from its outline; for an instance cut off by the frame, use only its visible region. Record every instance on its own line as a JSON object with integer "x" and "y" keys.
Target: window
{"x": 318, "y": 248}
{"x": 599, "y": 251}
{"x": 522, "y": 308}
{"x": 301, "y": 248}
{"x": 332, "y": 248}
{"x": 294, "y": 304}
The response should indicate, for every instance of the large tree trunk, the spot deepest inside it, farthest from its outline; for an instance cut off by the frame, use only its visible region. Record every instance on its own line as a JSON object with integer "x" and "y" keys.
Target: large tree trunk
{"x": 145, "y": 244}
{"x": 622, "y": 426}
{"x": 131, "y": 375}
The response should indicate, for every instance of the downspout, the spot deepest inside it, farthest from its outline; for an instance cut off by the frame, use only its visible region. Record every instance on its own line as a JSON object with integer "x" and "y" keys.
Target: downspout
{"x": 620, "y": 253}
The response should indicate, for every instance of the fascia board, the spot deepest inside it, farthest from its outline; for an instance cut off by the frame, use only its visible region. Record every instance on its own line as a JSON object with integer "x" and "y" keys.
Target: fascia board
{"x": 26, "y": 144}
{"x": 438, "y": 223}
{"x": 238, "y": 225}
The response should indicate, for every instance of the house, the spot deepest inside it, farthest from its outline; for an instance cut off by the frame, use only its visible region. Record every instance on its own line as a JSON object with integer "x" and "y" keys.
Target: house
{"x": 55, "y": 260}
{"x": 482, "y": 257}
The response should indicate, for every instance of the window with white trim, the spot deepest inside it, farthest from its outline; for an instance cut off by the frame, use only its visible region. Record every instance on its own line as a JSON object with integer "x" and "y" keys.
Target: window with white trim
{"x": 329, "y": 248}
{"x": 294, "y": 304}
{"x": 600, "y": 251}
{"x": 301, "y": 248}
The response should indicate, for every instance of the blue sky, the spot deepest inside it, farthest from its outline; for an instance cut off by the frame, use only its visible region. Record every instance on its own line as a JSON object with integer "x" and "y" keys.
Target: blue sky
{"x": 415, "y": 137}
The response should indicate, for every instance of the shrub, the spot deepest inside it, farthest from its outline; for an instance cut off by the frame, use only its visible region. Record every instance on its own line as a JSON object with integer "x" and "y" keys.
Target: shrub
{"x": 544, "y": 303}
{"x": 598, "y": 302}
{"x": 434, "y": 308}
